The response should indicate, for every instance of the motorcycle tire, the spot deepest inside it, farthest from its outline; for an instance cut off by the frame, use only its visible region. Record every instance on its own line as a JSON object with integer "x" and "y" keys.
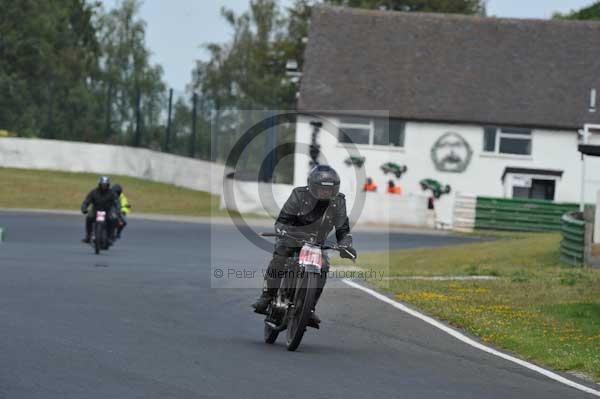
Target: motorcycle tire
{"x": 303, "y": 305}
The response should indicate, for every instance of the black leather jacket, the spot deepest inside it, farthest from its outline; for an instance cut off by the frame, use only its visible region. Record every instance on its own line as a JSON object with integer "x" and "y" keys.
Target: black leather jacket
{"x": 101, "y": 201}
{"x": 303, "y": 212}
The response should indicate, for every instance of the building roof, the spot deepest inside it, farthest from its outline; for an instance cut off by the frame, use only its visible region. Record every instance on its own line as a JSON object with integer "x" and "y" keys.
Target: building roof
{"x": 452, "y": 68}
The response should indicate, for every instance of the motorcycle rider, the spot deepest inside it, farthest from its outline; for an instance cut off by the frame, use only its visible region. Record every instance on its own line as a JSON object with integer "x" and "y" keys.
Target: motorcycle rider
{"x": 104, "y": 199}
{"x": 124, "y": 209}
{"x": 317, "y": 208}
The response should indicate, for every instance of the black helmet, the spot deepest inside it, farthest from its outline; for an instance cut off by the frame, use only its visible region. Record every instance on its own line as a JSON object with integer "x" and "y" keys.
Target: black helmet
{"x": 323, "y": 182}
{"x": 104, "y": 183}
{"x": 117, "y": 189}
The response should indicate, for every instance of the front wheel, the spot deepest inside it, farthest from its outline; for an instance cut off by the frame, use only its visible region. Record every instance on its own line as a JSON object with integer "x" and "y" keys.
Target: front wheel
{"x": 97, "y": 238}
{"x": 304, "y": 302}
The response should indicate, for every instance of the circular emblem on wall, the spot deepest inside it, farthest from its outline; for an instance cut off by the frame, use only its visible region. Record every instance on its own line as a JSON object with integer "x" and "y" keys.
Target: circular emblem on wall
{"x": 451, "y": 153}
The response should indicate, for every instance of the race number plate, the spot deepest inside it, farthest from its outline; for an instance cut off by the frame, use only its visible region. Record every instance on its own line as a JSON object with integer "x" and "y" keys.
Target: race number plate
{"x": 100, "y": 216}
{"x": 311, "y": 256}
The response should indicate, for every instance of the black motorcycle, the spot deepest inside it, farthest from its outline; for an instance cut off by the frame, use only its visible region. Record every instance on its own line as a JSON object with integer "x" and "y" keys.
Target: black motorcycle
{"x": 292, "y": 306}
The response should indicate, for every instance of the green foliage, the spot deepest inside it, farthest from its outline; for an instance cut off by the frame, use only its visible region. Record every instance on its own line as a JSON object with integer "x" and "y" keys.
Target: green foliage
{"x": 520, "y": 276}
{"x": 591, "y": 12}
{"x": 69, "y": 70}
{"x": 127, "y": 73}
{"x": 248, "y": 74}
{"x": 48, "y": 66}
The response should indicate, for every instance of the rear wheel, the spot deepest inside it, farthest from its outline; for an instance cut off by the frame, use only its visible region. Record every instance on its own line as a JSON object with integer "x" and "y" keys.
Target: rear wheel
{"x": 303, "y": 305}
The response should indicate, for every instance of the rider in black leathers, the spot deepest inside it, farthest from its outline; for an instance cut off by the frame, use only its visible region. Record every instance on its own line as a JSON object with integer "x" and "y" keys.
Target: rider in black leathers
{"x": 317, "y": 208}
{"x": 104, "y": 199}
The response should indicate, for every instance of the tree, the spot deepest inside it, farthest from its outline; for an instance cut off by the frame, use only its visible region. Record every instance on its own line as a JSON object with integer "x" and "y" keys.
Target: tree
{"x": 246, "y": 74}
{"x": 127, "y": 73}
{"x": 48, "y": 67}
{"x": 587, "y": 13}
{"x": 442, "y": 6}
{"x": 69, "y": 70}
{"x": 249, "y": 72}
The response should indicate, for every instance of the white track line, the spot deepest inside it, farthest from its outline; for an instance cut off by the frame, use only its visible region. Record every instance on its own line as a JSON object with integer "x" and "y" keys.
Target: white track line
{"x": 471, "y": 342}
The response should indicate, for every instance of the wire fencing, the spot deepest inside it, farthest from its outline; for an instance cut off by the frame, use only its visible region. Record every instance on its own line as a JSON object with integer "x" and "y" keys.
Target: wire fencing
{"x": 187, "y": 124}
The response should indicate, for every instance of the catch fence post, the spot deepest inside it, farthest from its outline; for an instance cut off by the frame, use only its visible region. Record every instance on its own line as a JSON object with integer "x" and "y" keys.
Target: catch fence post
{"x": 168, "y": 131}
{"x": 194, "y": 125}
{"x": 138, "y": 120}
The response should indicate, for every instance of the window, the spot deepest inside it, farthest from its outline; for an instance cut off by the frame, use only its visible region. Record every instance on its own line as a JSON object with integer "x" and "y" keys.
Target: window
{"x": 514, "y": 141}
{"x": 539, "y": 189}
{"x": 378, "y": 132}
{"x": 389, "y": 132}
{"x": 355, "y": 130}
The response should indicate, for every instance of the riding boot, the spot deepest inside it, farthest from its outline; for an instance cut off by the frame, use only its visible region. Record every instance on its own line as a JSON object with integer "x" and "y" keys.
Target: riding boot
{"x": 272, "y": 283}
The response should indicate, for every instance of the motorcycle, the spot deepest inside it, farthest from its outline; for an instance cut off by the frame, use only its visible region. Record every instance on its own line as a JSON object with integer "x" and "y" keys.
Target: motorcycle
{"x": 295, "y": 300}
{"x": 99, "y": 239}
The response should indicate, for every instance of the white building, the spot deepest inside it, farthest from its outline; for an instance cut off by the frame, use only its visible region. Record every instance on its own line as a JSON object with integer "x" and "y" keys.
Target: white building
{"x": 491, "y": 107}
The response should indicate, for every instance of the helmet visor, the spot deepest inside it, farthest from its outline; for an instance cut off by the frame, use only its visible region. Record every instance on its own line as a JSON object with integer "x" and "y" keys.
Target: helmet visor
{"x": 325, "y": 191}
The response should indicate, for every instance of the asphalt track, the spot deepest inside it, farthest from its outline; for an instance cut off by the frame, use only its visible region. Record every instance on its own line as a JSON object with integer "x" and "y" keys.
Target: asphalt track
{"x": 142, "y": 321}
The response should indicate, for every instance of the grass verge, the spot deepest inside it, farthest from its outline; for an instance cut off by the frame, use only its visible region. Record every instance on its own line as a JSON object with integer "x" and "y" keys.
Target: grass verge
{"x": 545, "y": 311}
{"x": 42, "y": 189}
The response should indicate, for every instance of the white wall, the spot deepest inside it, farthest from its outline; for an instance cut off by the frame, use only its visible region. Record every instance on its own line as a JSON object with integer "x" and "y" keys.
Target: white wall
{"x": 555, "y": 150}
{"x": 379, "y": 209}
{"x": 111, "y": 160}
{"x": 245, "y": 197}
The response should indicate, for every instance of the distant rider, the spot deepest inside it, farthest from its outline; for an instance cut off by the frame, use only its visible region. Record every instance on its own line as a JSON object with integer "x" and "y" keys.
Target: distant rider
{"x": 104, "y": 199}
{"x": 124, "y": 207}
{"x": 316, "y": 208}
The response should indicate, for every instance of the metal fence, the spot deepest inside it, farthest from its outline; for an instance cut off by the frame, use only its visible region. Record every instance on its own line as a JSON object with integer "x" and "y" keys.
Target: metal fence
{"x": 520, "y": 214}
{"x": 184, "y": 123}
{"x": 572, "y": 246}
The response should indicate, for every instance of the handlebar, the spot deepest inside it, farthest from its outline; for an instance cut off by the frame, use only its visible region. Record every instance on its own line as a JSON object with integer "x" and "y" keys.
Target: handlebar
{"x": 304, "y": 238}
{"x": 326, "y": 245}
{"x": 269, "y": 234}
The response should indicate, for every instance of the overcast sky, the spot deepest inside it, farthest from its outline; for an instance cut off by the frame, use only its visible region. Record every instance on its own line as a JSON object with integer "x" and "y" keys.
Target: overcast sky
{"x": 178, "y": 28}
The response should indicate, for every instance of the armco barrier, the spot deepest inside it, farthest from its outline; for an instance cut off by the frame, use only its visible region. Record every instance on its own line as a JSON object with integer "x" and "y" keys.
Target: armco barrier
{"x": 572, "y": 246}
{"x": 520, "y": 214}
{"x": 464, "y": 212}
